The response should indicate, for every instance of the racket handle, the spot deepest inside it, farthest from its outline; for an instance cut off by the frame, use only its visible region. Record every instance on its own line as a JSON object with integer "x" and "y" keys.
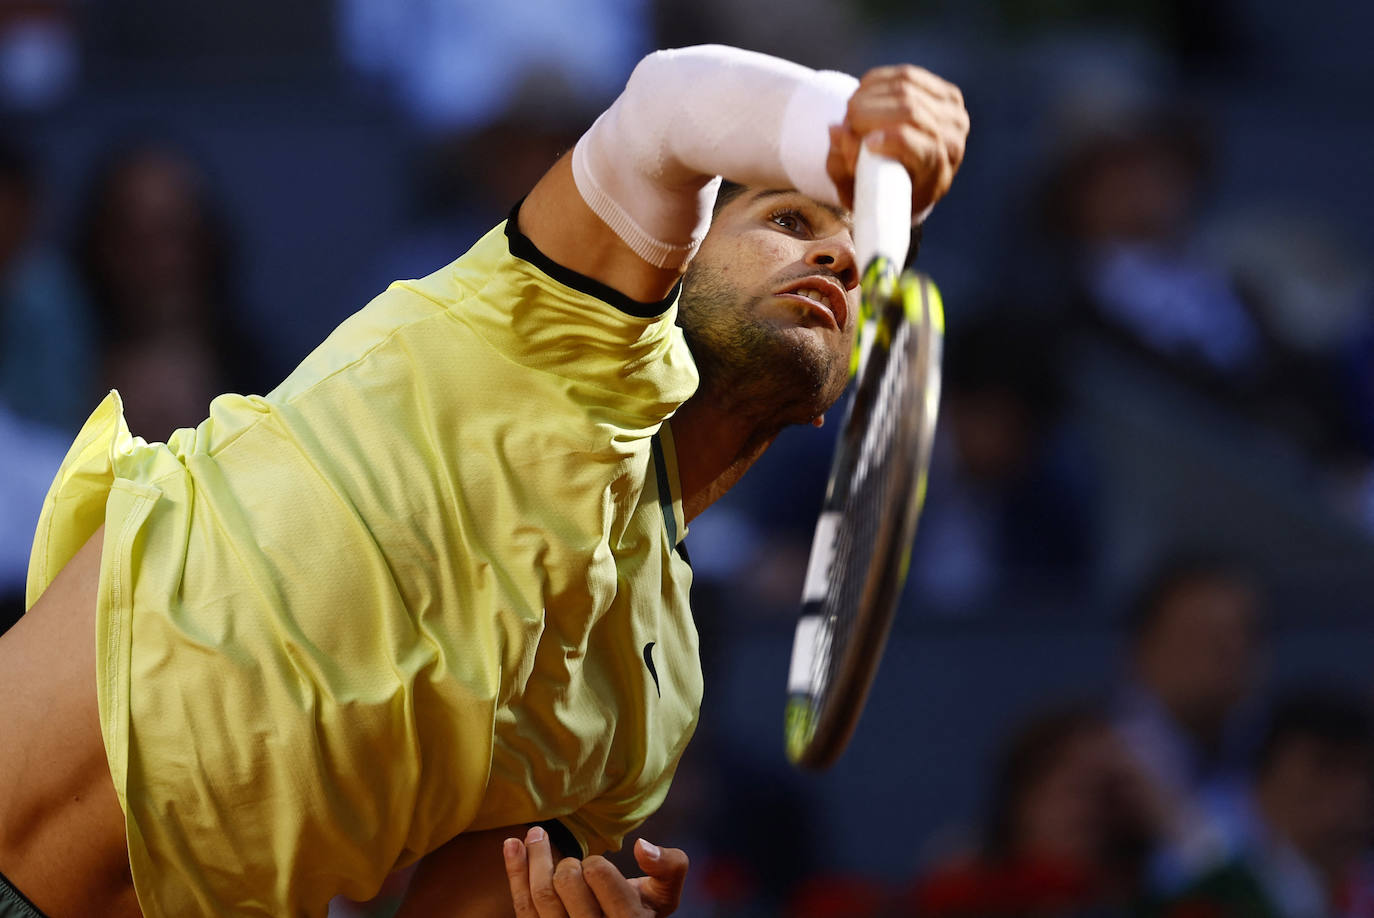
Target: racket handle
{"x": 882, "y": 209}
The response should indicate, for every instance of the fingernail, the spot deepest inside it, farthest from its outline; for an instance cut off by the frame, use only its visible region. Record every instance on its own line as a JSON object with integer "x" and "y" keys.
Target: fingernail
{"x": 511, "y": 847}
{"x": 536, "y": 835}
{"x": 651, "y": 850}
{"x": 875, "y": 139}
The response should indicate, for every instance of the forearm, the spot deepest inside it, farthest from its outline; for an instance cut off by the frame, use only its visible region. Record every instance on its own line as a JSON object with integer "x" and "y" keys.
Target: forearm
{"x": 686, "y": 116}
{"x": 630, "y": 206}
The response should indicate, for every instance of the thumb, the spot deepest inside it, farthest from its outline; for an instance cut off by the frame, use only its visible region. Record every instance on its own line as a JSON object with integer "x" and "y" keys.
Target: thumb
{"x": 666, "y": 875}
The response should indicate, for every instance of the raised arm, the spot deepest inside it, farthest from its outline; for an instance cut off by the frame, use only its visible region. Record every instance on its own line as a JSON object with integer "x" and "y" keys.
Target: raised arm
{"x": 631, "y": 203}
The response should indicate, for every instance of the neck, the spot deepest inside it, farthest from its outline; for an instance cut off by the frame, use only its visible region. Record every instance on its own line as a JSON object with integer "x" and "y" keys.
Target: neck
{"x": 717, "y": 441}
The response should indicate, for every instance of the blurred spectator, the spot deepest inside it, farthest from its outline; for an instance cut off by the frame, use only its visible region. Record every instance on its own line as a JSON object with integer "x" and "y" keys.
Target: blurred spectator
{"x": 157, "y": 263}
{"x": 1194, "y": 656}
{"x": 1011, "y": 506}
{"x": 1298, "y": 847}
{"x": 1194, "y": 648}
{"x": 45, "y": 326}
{"x": 44, "y": 370}
{"x": 1123, "y": 198}
{"x": 1124, "y": 203}
{"x": 1068, "y": 825}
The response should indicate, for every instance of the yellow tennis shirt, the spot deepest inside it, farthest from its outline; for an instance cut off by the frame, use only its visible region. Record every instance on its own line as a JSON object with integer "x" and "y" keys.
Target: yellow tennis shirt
{"x": 429, "y": 584}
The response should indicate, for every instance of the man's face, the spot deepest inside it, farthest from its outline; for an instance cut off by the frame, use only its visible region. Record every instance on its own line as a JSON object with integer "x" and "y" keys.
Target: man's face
{"x": 769, "y": 303}
{"x": 1203, "y": 654}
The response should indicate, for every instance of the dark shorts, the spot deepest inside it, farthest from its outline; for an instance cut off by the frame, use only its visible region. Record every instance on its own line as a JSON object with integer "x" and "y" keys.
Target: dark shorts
{"x": 14, "y": 904}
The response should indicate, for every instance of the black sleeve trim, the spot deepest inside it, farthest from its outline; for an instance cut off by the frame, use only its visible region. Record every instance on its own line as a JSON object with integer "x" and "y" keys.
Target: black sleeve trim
{"x": 521, "y": 247}
{"x": 563, "y": 841}
{"x": 665, "y": 495}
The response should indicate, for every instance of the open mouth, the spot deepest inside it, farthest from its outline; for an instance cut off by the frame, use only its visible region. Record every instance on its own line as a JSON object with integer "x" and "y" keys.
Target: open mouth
{"x": 824, "y": 296}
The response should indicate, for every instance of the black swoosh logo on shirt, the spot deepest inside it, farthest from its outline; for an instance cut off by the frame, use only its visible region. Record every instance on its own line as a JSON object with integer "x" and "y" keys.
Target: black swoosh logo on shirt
{"x": 649, "y": 662}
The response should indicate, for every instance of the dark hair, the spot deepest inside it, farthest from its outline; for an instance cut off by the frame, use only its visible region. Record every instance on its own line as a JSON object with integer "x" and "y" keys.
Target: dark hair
{"x": 1334, "y": 716}
{"x": 1032, "y": 751}
{"x": 99, "y": 211}
{"x": 1172, "y": 576}
{"x": 728, "y": 192}
{"x": 1179, "y": 133}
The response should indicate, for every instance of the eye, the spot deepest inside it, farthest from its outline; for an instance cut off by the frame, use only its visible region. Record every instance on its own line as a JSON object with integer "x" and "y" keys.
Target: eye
{"x": 790, "y": 220}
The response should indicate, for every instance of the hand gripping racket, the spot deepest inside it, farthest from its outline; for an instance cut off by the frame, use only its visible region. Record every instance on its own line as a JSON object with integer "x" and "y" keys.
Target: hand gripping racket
{"x": 877, "y": 481}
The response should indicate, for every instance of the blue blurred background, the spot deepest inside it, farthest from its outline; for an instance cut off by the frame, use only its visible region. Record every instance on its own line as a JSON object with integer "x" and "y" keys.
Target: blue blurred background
{"x": 1151, "y": 518}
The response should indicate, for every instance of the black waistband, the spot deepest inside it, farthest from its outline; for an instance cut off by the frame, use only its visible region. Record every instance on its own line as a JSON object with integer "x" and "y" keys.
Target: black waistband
{"x": 14, "y": 904}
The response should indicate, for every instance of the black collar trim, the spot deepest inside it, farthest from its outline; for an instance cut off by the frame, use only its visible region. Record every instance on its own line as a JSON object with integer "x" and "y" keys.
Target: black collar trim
{"x": 521, "y": 247}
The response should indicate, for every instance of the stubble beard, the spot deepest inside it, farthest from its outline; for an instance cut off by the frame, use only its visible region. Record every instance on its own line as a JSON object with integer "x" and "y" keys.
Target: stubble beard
{"x": 755, "y": 366}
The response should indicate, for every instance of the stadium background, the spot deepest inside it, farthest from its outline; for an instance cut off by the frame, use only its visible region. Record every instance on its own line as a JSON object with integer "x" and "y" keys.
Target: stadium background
{"x": 1155, "y": 265}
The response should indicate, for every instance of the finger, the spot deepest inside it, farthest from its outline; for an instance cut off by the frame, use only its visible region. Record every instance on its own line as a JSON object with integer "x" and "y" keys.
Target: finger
{"x": 666, "y": 870}
{"x": 871, "y": 112}
{"x": 618, "y": 897}
{"x": 949, "y": 129}
{"x": 540, "y": 856}
{"x": 517, "y": 871}
{"x": 572, "y": 889}
{"x": 925, "y": 158}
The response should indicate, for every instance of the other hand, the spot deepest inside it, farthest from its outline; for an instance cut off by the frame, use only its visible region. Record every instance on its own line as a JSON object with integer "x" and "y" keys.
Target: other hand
{"x": 591, "y": 888}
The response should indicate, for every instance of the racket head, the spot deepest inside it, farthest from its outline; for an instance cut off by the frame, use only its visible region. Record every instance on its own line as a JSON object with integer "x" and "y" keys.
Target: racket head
{"x": 862, "y": 546}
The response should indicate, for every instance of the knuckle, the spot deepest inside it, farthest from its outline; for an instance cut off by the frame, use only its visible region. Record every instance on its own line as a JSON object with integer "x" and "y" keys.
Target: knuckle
{"x": 567, "y": 869}
{"x": 597, "y": 866}
{"x": 911, "y": 97}
{"x": 545, "y": 895}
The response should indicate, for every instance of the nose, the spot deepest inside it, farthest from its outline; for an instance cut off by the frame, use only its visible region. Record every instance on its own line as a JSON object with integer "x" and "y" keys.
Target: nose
{"x": 835, "y": 253}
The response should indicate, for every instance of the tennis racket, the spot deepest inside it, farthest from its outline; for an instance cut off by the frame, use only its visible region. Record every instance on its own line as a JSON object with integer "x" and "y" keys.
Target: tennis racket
{"x": 862, "y": 545}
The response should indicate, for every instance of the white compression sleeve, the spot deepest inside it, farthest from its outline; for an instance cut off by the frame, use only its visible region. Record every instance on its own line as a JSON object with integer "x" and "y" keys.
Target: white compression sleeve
{"x": 648, "y": 166}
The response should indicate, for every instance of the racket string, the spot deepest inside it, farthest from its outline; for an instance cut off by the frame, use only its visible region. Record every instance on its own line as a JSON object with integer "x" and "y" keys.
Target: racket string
{"x": 864, "y": 503}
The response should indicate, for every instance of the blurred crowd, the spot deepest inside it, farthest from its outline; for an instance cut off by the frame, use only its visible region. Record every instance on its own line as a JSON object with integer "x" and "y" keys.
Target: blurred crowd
{"x": 1157, "y": 422}
{"x": 1186, "y": 787}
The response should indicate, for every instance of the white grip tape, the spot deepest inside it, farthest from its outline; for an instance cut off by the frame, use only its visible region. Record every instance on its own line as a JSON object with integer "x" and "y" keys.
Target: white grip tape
{"x": 882, "y": 209}
{"x": 822, "y": 554}
{"x": 801, "y": 673}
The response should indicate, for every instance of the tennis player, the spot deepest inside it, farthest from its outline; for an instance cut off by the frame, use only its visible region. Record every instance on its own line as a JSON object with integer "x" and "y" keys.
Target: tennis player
{"x": 432, "y": 587}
